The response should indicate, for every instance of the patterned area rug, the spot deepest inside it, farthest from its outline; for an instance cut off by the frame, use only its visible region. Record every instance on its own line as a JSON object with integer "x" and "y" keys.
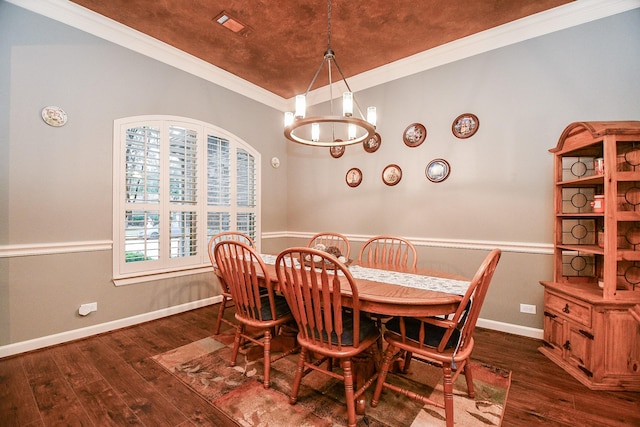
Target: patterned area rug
{"x": 238, "y": 391}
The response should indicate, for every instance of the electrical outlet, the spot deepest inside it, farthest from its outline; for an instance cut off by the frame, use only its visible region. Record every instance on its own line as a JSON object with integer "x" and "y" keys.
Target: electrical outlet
{"x": 528, "y": 308}
{"x": 85, "y": 309}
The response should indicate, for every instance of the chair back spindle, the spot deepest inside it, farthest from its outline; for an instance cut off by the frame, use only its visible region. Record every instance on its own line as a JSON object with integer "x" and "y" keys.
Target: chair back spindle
{"x": 329, "y": 238}
{"x": 388, "y": 251}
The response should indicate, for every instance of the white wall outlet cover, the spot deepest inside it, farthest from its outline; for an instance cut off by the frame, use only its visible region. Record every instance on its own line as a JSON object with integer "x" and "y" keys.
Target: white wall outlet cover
{"x": 275, "y": 162}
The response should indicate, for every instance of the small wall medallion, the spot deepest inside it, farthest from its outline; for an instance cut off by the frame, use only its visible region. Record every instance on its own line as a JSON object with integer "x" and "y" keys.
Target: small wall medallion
{"x": 54, "y": 116}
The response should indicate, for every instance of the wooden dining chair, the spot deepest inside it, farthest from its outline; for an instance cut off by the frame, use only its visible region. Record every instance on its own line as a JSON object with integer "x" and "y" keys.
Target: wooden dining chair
{"x": 329, "y": 238}
{"x": 227, "y": 301}
{"x": 388, "y": 251}
{"x": 444, "y": 342}
{"x": 311, "y": 281}
{"x": 247, "y": 277}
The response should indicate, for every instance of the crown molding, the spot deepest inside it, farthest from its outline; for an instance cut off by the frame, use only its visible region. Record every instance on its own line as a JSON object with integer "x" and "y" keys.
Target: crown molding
{"x": 572, "y": 14}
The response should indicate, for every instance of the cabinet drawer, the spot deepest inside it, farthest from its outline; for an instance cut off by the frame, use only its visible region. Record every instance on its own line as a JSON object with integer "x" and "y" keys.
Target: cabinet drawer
{"x": 568, "y": 308}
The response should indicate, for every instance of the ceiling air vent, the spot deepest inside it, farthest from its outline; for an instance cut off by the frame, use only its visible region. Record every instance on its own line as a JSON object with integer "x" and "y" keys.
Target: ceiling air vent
{"x": 233, "y": 24}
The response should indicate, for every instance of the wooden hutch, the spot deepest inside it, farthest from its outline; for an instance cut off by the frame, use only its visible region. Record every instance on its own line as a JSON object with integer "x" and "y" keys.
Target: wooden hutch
{"x": 589, "y": 325}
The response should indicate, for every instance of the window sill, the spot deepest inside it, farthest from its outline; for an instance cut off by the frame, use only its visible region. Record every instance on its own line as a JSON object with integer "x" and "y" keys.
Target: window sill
{"x": 141, "y": 278}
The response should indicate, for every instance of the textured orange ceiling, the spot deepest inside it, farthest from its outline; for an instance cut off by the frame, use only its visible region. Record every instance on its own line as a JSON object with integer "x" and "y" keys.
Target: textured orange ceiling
{"x": 288, "y": 38}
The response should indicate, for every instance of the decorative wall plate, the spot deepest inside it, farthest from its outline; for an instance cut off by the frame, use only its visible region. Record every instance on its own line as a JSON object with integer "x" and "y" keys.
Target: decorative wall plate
{"x": 353, "y": 177}
{"x": 414, "y": 135}
{"x": 54, "y": 116}
{"x": 437, "y": 170}
{"x": 392, "y": 174}
{"x": 372, "y": 144}
{"x": 337, "y": 151}
{"x": 465, "y": 125}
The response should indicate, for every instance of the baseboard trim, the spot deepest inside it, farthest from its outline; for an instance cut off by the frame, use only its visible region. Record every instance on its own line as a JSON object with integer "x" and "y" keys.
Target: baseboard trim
{"x": 510, "y": 328}
{"x": 50, "y": 340}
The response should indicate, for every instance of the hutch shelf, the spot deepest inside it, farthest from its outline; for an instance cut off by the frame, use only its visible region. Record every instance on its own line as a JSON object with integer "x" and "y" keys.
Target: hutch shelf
{"x": 590, "y": 326}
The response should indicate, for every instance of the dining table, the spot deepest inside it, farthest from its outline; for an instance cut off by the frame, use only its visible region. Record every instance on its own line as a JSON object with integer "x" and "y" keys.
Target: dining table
{"x": 387, "y": 291}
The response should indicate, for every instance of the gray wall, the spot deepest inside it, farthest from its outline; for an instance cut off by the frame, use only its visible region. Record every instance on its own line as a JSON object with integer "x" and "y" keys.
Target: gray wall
{"x": 56, "y": 183}
{"x": 499, "y": 192}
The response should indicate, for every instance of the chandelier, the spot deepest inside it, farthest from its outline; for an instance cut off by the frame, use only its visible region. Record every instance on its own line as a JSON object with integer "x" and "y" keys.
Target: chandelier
{"x": 330, "y": 130}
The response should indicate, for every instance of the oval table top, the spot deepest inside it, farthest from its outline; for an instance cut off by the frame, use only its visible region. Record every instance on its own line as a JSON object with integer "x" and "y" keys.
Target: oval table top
{"x": 396, "y": 300}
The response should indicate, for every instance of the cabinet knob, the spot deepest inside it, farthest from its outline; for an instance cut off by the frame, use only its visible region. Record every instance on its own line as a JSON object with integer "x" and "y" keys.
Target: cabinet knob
{"x": 567, "y": 345}
{"x": 566, "y": 308}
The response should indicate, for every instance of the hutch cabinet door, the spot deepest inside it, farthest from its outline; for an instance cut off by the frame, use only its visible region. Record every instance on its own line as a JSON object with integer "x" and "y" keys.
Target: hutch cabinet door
{"x": 579, "y": 348}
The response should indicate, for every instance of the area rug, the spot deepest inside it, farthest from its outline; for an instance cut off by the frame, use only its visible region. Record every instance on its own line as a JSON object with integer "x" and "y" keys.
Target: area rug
{"x": 239, "y": 393}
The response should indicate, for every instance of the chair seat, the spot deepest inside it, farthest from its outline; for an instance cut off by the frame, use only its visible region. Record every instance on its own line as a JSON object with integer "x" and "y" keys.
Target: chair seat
{"x": 368, "y": 328}
{"x": 282, "y": 308}
{"x": 432, "y": 334}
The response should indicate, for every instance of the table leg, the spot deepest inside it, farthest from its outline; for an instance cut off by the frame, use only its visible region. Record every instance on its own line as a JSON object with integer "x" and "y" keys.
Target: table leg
{"x": 363, "y": 370}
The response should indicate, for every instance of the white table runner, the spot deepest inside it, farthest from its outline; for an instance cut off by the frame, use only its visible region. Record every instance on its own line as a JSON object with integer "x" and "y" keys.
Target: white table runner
{"x": 438, "y": 284}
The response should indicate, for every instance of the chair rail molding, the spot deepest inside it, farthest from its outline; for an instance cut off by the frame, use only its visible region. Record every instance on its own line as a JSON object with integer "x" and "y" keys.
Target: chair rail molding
{"x": 34, "y": 249}
{"x": 519, "y": 247}
{"x": 31, "y": 249}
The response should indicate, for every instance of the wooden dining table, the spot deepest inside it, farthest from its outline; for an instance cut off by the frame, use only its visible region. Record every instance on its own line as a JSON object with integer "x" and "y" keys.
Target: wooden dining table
{"x": 388, "y": 299}
{"x": 381, "y": 298}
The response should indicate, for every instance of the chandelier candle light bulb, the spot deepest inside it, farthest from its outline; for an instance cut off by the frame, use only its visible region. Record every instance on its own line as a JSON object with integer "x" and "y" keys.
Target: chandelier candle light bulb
{"x": 347, "y": 104}
{"x": 301, "y": 106}
{"x": 288, "y": 118}
{"x": 352, "y": 132}
{"x": 372, "y": 116}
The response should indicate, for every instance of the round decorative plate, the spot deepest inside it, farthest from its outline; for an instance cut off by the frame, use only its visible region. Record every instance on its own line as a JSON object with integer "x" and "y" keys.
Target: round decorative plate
{"x": 465, "y": 125}
{"x": 353, "y": 177}
{"x": 437, "y": 170}
{"x": 392, "y": 174}
{"x": 337, "y": 151}
{"x": 54, "y": 116}
{"x": 414, "y": 135}
{"x": 372, "y": 144}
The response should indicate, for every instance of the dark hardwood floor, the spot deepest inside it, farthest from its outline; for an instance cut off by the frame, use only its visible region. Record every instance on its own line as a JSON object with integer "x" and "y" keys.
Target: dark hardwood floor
{"x": 109, "y": 380}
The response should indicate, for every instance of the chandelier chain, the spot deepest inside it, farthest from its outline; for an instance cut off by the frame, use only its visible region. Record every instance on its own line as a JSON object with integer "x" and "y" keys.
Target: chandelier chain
{"x": 328, "y": 24}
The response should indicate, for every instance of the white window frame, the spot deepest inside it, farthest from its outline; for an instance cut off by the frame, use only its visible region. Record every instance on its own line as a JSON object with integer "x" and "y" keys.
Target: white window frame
{"x": 125, "y": 273}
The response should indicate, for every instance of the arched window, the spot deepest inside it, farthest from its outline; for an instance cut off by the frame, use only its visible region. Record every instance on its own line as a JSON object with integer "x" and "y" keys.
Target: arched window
{"x": 177, "y": 182}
